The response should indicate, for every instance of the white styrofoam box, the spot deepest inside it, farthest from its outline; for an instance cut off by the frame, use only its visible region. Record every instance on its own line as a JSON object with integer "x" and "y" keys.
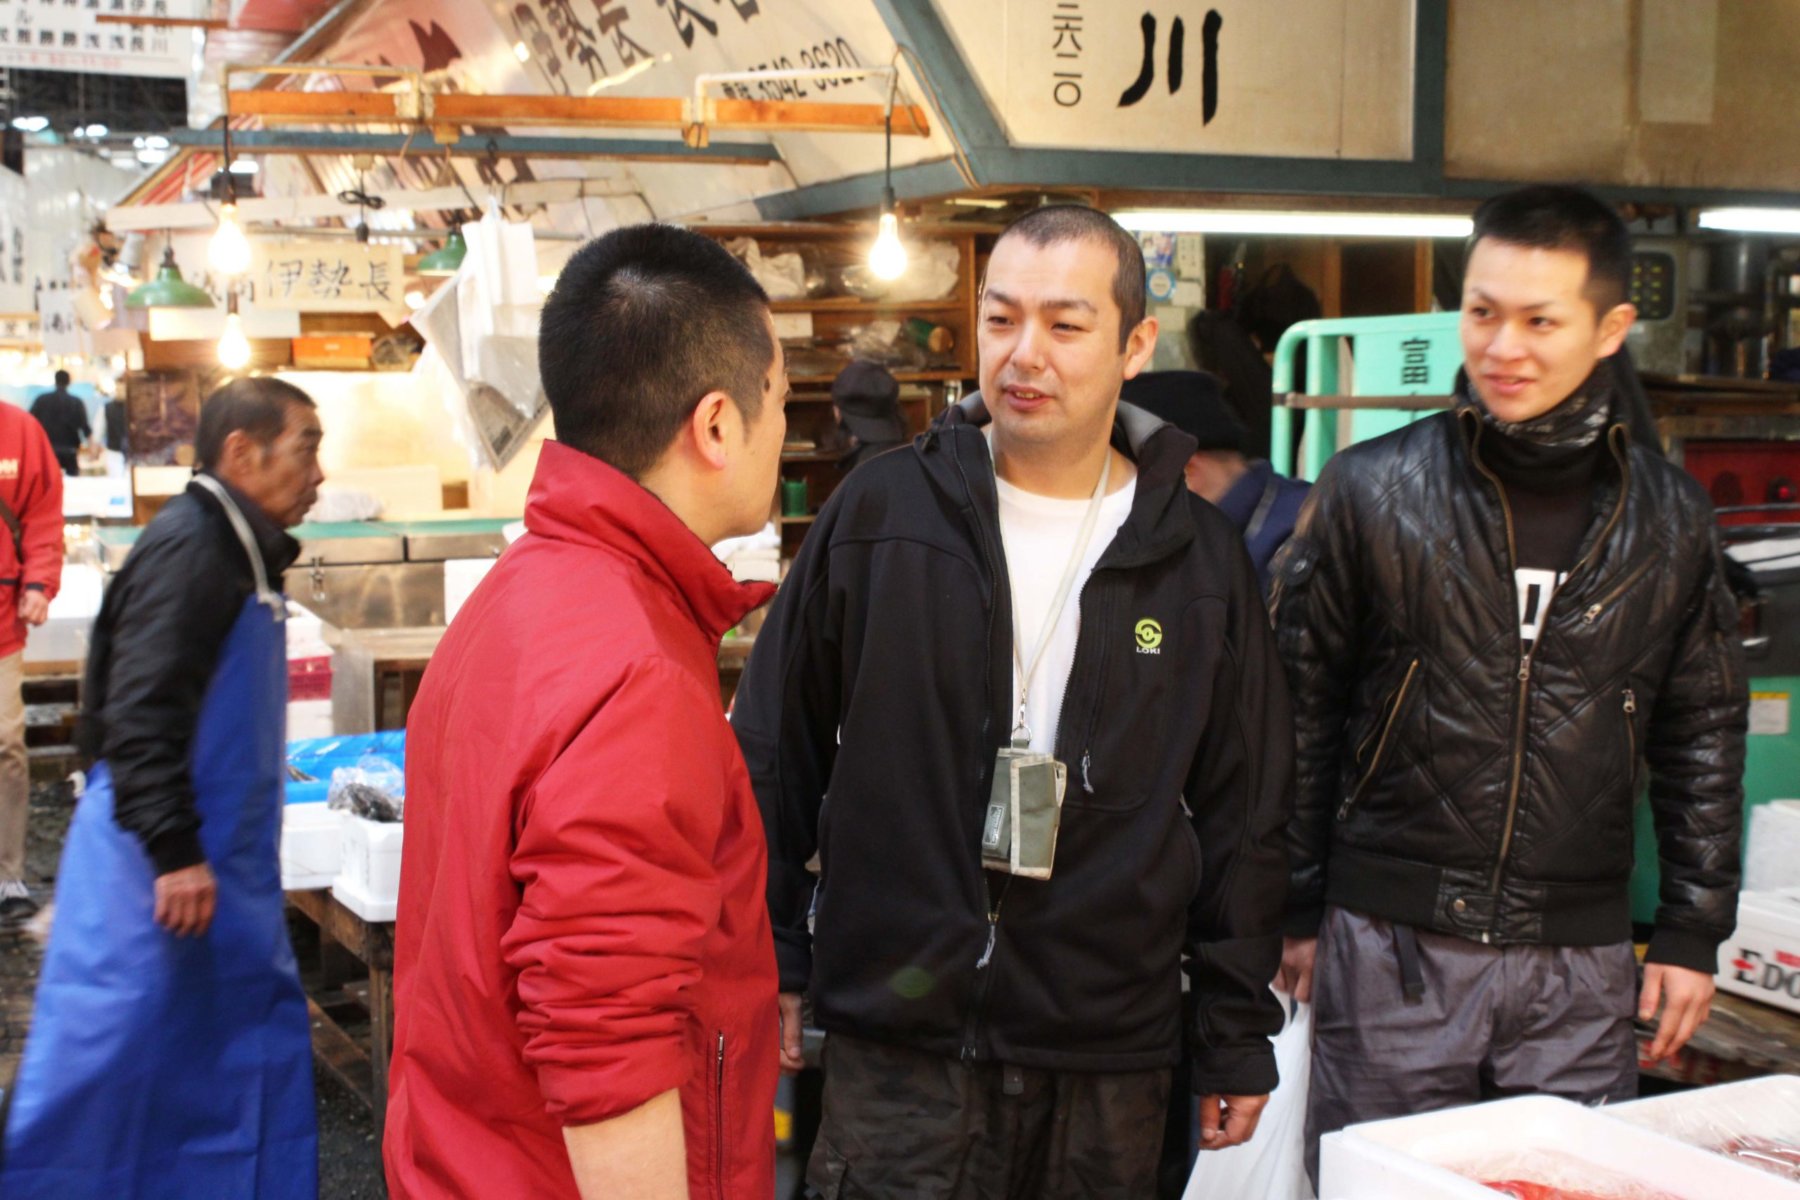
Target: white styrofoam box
{"x": 309, "y": 719}
{"x": 63, "y": 637}
{"x": 460, "y": 577}
{"x": 1761, "y": 959}
{"x": 312, "y": 846}
{"x": 368, "y": 878}
{"x": 97, "y": 496}
{"x": 1413, "y": 1157}
{"x": 1772, "y": 851}
{"x": 1768, "y": 1107}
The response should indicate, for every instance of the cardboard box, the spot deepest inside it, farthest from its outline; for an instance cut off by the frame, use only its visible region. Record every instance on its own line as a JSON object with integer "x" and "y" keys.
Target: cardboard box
{"x": 1415, "y": 1157}
{"x": 1761, "y": 959}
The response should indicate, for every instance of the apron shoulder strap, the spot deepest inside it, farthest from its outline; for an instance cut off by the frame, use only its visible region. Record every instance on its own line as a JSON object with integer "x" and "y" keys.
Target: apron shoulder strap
{"x": 264, "y": 593}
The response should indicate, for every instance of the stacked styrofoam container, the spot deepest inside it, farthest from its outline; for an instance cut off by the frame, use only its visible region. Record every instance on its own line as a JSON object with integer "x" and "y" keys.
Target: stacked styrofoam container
{"x": 311, "y": 846}
{"x": 368, "y": 878}
{"x": 1414, "y": 1157}
{"x": 1761, "y": 959}
{"x": 309, "y": 676}
{"x": 1772, "y": 849}
{"x": 1765, "y": 1110}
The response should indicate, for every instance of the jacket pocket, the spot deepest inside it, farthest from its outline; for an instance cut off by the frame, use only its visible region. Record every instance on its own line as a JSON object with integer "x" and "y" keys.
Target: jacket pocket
{"x": 1381, "y": 738}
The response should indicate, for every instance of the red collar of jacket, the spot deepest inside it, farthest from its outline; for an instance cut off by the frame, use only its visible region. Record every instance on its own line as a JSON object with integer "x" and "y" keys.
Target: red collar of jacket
{"x": 577, "y": 498}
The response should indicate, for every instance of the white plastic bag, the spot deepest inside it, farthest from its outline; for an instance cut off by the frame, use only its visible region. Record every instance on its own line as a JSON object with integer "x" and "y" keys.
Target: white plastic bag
{"x": 1272, "y": 1164}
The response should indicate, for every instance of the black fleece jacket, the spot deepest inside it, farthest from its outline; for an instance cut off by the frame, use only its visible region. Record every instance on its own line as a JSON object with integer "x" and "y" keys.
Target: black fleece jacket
{"x": 870, "y": 714}
{"x": 155, "y": 645}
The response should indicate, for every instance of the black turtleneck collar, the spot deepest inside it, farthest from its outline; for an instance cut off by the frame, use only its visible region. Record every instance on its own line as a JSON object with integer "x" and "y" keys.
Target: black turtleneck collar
{"x": 1560, "y": 451}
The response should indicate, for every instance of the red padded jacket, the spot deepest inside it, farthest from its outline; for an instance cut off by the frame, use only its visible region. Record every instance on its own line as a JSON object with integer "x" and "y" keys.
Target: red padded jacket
{"x": 582, "y": 923}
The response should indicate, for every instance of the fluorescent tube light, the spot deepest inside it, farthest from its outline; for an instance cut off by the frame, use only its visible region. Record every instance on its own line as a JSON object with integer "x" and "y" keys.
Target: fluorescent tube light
{"x": 1295, "y": 224}
{"x": 1751, "y": 220}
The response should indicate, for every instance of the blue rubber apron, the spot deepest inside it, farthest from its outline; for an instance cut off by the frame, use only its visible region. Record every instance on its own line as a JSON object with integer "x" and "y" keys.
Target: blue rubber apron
{"x": 160, "y": 1066}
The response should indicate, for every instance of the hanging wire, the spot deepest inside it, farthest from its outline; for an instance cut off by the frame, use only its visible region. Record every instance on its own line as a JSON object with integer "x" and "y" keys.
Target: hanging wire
{"x": 963, "y": 166}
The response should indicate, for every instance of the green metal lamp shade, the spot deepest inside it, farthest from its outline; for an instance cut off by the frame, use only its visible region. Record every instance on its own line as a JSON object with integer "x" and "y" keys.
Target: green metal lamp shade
{"x": 168, "y": 290}
{"x": 446, "y": 260}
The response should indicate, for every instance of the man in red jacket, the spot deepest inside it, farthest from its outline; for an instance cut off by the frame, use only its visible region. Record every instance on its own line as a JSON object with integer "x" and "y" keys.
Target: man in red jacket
{"x": 31, "y": 554}
{"x": 584, "y": 970}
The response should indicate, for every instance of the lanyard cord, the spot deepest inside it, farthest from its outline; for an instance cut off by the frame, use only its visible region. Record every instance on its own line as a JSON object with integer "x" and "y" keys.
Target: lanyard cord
{"x": 1028, "y": 671}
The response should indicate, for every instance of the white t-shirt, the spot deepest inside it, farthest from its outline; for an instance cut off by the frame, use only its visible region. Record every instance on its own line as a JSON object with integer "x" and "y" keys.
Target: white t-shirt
{"x": 1038, "y": 534}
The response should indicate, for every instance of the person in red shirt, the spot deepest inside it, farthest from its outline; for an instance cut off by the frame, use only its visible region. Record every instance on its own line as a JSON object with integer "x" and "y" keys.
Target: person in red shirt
{"x": 31, "y": 555}
{"x": 585, "y": 978}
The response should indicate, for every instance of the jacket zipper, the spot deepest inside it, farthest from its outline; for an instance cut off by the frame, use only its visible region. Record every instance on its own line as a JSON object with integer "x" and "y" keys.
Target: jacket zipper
{"x": 719, "y": 1117}
{"x": 1597, "y": 607}
{"x": 1387, "y": 729}
{"x": 982, "y": 972}
{"x": 1631, "y": 737}
{"x": 972, "y": 1028}
{"x": 1524, "y": 675}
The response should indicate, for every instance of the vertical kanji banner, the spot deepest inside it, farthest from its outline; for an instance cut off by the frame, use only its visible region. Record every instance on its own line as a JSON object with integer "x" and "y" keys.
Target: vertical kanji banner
{"x": 1304, "y": 78}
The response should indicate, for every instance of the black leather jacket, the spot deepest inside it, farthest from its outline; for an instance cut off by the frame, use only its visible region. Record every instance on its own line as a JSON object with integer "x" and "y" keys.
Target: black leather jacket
{"x": 1450, "y": 782}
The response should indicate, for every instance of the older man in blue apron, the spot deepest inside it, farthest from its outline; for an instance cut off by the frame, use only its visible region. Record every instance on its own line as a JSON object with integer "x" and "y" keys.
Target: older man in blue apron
{"x": 170, "y": 1053}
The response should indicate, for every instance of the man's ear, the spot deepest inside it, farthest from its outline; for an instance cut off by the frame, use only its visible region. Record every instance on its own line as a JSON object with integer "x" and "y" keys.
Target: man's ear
{"x": 710, "y": 430}
{"x": 1139, "y": 346}
{"x": 1614, "y": 326}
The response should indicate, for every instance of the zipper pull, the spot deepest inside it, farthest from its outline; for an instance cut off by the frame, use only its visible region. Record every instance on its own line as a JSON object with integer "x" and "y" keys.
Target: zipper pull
{"x": 987, "y": 955}
{"x": 1588, "y": 617}
{"x": 1086, "y": 760}
{"x": 721, "y": 1057}
{"x": 1630, "y": 701}
{"x": 1525, "y": 669}
{"x": 1343, "y": 813}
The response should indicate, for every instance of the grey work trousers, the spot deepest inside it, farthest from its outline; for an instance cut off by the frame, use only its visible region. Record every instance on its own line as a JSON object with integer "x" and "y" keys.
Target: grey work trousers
{"x": 15, "y": 771}
{"x": 901, "y": 1124}
{"x": 1492, "y": 1021}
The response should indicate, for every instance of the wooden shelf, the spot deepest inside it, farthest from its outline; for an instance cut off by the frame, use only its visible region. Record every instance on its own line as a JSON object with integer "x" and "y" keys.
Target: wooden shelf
{"x": 811, "y": 456}
{"x": 808, "y": 519}
{"x": 851, "y": 304}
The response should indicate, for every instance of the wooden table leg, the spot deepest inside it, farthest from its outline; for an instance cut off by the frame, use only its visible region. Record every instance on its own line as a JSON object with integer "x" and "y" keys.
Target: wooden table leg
{"x": 381, "y": 1040}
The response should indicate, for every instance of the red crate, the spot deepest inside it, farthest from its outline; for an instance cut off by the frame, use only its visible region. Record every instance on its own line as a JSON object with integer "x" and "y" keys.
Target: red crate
{"x": 1738, "y": 474}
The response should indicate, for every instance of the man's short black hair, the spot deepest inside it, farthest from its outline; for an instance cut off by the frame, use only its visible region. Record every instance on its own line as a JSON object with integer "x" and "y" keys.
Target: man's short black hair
{"x": 1057, "y": 223}
{"x": 256, "y": 404}
{"x": 643, "y": 323}
{"x": 62, "y": 379}
{"x": 1552, "y": 216}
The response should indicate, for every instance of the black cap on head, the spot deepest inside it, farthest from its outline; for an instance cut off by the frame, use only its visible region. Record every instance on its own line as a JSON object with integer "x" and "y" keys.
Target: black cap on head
{"x": 1193, "y": 402}
{"x": 868, "y": 396}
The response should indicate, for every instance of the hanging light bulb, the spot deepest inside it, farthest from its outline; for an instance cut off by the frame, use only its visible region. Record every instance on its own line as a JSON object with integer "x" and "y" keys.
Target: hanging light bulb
{"x": 887, "y": 257}
{"x": 229, "y": 252}
{"x": 234, "y": 347}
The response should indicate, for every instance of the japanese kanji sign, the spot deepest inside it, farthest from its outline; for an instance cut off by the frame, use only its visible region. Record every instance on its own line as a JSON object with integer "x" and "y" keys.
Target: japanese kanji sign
{"x": 63, "y": 35}
{"x": 321, "y": 276}
{"x": 1304, "y": 78}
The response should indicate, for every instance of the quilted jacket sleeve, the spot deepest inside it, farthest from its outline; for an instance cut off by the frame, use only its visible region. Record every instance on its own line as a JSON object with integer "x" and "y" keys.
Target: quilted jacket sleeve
{"x": 613, "y": 857}
{"x": 1695, "y": 752}
{"x": 1315, "y": 601}
{"x": 1239, "y": 793}
{"x": 785, "y": 715}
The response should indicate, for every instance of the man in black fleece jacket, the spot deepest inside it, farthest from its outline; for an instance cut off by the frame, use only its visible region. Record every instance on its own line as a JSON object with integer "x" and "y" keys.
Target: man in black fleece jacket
{"x": 992, "y": 1033}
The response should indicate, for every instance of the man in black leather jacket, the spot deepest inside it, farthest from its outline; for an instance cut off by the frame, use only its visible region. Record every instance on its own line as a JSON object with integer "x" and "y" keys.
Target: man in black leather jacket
{"x": 1491, "y": 620}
